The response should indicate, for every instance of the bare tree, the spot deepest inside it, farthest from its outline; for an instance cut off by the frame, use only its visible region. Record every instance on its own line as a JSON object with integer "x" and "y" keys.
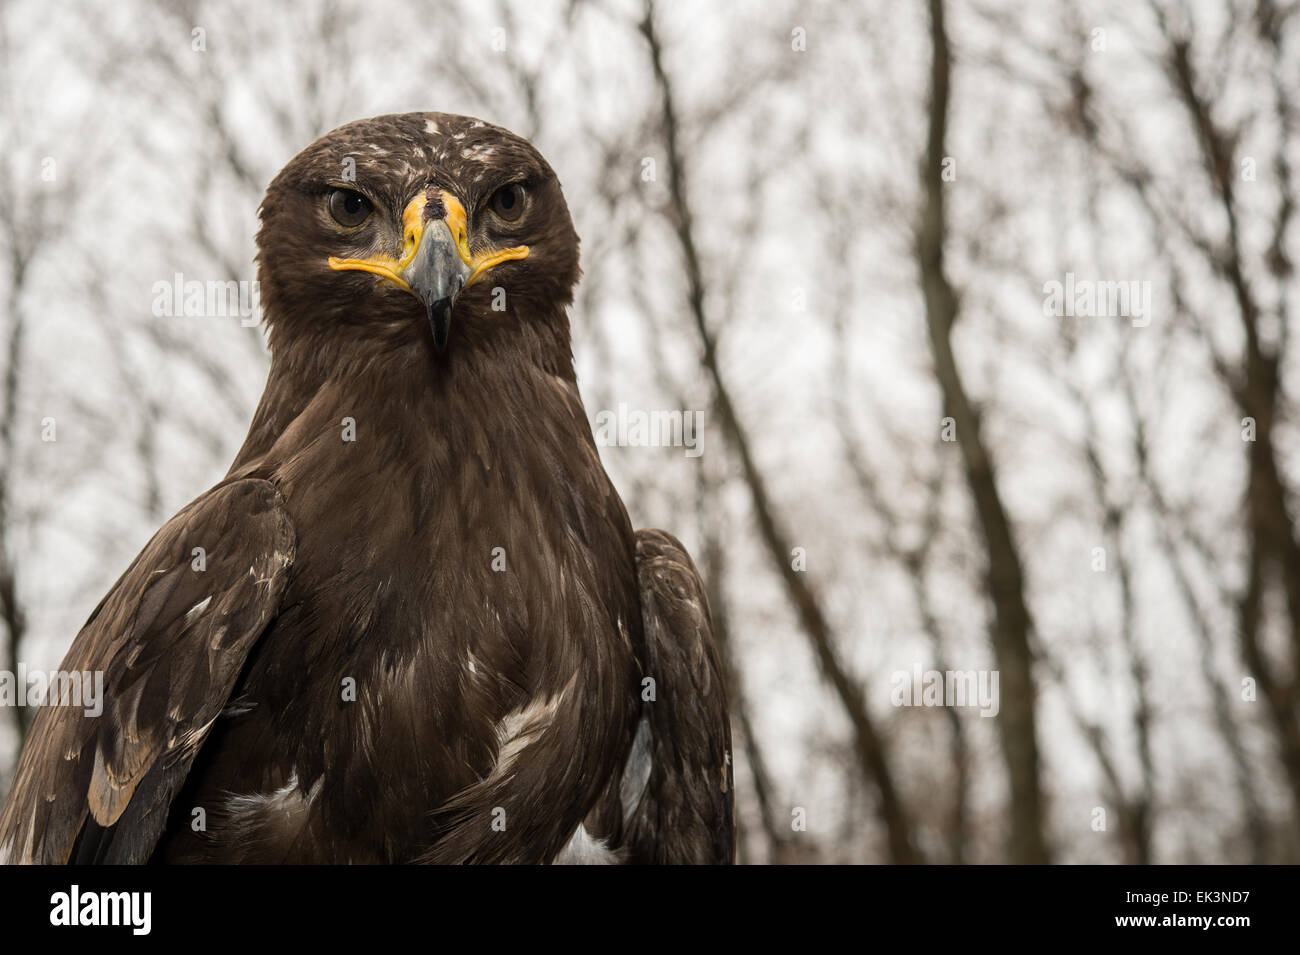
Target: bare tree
{"x": 869, "y": 745}
{"x": 1012, "y": 622}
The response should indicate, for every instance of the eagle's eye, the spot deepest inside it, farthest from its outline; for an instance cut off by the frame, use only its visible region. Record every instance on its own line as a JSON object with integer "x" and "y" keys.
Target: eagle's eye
{"x": 349, "y": 208}
{"x": 508, "y": 202}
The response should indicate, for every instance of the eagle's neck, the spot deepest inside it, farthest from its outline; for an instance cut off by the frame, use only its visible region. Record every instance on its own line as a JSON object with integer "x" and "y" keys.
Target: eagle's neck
{"x": 490, "y": 372}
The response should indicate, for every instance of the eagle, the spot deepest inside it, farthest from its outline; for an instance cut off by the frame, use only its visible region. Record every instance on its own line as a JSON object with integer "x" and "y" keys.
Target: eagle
{"x": 413, "y": 623}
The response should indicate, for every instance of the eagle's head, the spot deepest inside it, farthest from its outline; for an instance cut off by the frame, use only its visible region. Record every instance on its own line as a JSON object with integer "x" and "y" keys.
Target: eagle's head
{"x": 418, "y": 225}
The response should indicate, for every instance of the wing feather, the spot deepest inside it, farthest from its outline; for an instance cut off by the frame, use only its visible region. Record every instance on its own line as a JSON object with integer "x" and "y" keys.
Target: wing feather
{"x": 170, "y": 639}
{"x": 686, "y": 813}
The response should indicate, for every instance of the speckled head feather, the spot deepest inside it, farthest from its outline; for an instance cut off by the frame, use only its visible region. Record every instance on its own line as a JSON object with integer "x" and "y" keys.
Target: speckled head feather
{"x": 391, "y": 160}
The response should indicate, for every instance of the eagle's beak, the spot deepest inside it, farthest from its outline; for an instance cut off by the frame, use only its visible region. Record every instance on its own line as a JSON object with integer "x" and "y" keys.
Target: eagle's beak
{"x": 436, "y": 273}
{"x": 442, "y": 263}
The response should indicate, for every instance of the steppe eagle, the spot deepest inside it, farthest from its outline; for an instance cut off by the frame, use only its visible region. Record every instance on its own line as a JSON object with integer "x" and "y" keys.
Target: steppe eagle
{"x": 423, "y": 629}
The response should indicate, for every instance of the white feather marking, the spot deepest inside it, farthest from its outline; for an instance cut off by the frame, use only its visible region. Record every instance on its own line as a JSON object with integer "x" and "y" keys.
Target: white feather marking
{"x": 198, "y": 608}
{"x": 288, "y": 798}
{"x": 519, "y": 729}
{"x": 584, "y": 849}
{"x": 516, "y": 730}
{"x": 191, "y": 737}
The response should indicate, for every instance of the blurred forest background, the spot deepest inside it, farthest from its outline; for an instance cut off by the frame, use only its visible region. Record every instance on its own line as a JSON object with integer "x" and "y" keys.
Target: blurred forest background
{"x": 839, "y": 257}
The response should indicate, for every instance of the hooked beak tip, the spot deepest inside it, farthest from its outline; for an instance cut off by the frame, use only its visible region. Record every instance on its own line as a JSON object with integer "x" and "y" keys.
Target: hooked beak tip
{"x": 440, "y": 322}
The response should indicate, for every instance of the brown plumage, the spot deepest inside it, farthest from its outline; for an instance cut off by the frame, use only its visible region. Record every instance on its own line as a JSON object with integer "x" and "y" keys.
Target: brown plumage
{"x": 434, "y": 642}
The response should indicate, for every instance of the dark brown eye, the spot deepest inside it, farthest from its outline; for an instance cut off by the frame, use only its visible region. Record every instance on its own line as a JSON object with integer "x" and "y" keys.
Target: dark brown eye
{"x": 508, "y": 202}
{"x": 349, "y": 208}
